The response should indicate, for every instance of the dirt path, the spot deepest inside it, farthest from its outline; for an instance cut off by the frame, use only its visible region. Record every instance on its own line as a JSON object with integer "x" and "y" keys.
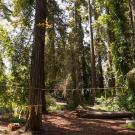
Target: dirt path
{"x": 66, "y": 123}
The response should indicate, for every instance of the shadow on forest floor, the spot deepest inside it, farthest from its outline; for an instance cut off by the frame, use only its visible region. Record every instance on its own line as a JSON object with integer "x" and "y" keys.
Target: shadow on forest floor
{"x": 66, "y": 123}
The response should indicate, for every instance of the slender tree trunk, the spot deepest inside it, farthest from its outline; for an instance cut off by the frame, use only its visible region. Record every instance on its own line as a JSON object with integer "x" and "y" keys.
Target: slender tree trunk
{"x": 100, "y": 77}
{"x": 37, "y": 69}
{"x": 51, "y": 43}
{"x": 133, "y": 14}
{"x": 51, "y": 33}
{"x": 111, "y": 81}
{"x": 93, "y": 68}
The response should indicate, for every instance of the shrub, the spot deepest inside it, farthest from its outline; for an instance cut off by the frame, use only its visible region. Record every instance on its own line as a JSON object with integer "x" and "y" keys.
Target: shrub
{"x": 131, "y": 80}
{"x": 107, "y": 104}
{"x": 52, "y": 105}
{"x": 50, "y": 101}
{"x": 17, "y": 120}
{"x": 127, "y": 101}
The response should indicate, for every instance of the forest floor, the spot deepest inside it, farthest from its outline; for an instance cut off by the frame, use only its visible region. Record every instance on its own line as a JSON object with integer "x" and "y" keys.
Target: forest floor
{"x": 66, "y": 123}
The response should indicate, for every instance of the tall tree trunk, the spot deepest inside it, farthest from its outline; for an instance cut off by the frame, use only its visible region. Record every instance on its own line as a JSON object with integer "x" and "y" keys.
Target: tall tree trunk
{"x": 110, "y": 39}
{"x": 75, "y": 65}
{"x": 74, "y": 80}
{"x": 133, "y": 14}
{"x": 51, "y": 36}
{"x": 100, "y": 77}
{"x": 98, "y": 39}
{"x": 79, "y": 40}
{"x": 37, "y": 69}
{"x": 93, "y": 68}
{"x": 84, "y": 76}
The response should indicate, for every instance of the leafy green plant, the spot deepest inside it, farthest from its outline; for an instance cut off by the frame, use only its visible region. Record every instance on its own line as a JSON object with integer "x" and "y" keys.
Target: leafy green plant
{"x": 127, "y": 101}
{"x": 50, "y": 101}
{"x": 70, "y": 107}
{"x": 52, "y": 105}
{"x": 131, "y": 80}
{"x": 129, "y": 125}
{"x": 107, "y": 104}
{"x": 4, "y": 110}
{"x": 17, "y": 120}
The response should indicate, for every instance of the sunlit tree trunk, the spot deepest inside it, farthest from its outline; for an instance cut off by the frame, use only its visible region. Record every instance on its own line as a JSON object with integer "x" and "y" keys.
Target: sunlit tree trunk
{"x": 133, "y": 13}
{"x": 98, "y": 39}
{"x": 132, "y": 16}
{"x": 51, "y": 40}
{"x": 110, "y": 39}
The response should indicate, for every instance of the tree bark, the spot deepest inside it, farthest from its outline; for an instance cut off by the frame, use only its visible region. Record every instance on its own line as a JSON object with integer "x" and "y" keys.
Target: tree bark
{"x": 110, "y": 39}
{"x": 100, "y": 77}
{"x": 75, "y": 61}
{"x": 93, "y": 68}
{"x": 74, "y": 80}
{"x": 34, "y": 122}
{"x": 79, "y": 38}
{"x": 133, "y": 14}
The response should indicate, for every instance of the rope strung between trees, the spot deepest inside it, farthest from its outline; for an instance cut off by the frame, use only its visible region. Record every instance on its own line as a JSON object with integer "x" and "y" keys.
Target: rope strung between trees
{"x": 44, "y": 89}
{"x": 37, "y": 108}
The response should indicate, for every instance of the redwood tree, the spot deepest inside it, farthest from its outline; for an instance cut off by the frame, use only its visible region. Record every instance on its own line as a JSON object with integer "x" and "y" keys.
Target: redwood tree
{"x": 37, "y": 69}
{"x": 93, "y": 68}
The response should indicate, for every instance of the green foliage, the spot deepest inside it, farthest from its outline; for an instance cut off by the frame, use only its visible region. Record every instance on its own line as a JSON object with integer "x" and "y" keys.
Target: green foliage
{"x": 52, "y": 105}
{"x": 70, "y": 107}
{"x": 129, "y": 126}
{"x": 66, "y": 42}
{"x": 123, "y": 101}
{"x": 4, "y": 110}
{"x": 23, "y": 11}
{"x": 5, "y": 10}
{"x": 127, "y": 101}
{"x": 107, "y": 104}
{"x": 17, "y": 120}
{"x": 55, "y": 38}
{"x": 50, "y": 101}
{"x": 131, "y": 80}
{"x": 121, "y": 38}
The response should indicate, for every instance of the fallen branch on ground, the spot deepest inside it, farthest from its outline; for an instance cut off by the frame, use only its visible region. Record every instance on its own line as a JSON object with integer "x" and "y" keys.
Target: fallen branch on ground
{"x": 103, "y": 115}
